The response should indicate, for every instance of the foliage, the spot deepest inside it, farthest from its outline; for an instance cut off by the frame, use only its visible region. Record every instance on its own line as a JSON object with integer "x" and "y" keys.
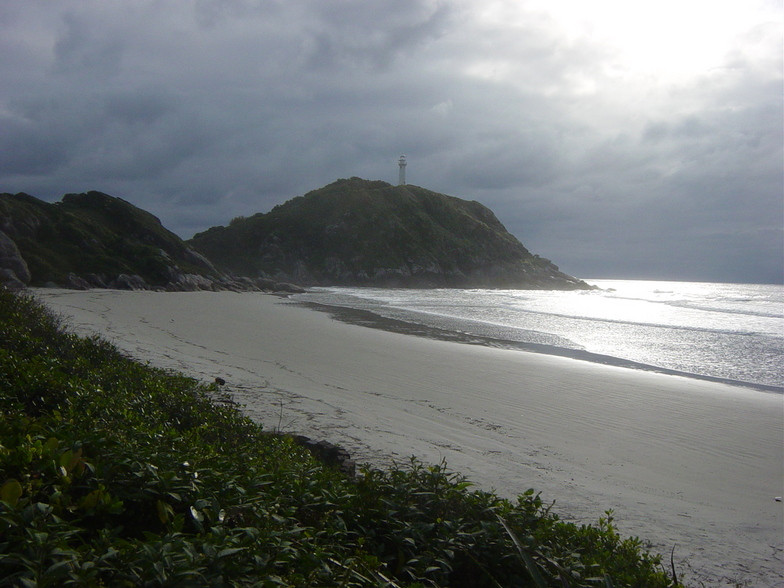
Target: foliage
{"x": 113, "y": 473}
{"x": 357, "y": 231}
{"x": 92, "y": 233}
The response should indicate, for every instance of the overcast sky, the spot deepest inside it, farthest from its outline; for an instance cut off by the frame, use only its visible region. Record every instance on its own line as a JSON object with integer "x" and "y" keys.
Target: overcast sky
{"x": 619, "y": 138}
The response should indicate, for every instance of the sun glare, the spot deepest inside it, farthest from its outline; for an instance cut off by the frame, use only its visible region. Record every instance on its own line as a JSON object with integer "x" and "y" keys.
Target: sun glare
{"x": 665, "y": 38}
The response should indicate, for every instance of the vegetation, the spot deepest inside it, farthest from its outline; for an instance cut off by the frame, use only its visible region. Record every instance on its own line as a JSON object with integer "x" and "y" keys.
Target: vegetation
{"x": 93, "y": 233}
{"x": 360, "y": 232}
{"x": 113, "y": 473}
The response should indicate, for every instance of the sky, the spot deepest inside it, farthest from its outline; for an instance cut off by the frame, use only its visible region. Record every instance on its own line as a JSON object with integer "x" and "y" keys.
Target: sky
{"x": 620, "y": 139}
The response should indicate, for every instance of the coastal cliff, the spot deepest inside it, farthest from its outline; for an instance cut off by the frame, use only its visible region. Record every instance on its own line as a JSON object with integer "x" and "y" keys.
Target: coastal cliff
{"x": 358, "y": 232}
{"x": 93, "y": 240}
{"x": 352, "y": 232}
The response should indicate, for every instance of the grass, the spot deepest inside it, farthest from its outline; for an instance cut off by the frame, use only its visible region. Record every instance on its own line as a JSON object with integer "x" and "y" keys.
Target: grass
{"x": 113, "y": 473}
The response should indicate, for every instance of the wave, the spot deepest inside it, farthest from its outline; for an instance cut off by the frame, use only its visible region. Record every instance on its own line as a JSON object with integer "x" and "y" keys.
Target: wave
{"x": 683, "y": 334}
{"x": 371, "y": 319}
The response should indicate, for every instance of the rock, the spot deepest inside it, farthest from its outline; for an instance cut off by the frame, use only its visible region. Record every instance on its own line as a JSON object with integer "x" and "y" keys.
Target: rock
{"x": 288, "y": 288}
{"x": 74, "y": 282}
{"x": 95, "y": 280}
{"x": 246, "y": 283}
{"x": 11, "y": 259}
{"x": 198, "y": 259}
{"x": 189, "y": 283}
{"x": 9, "y": 279}
{"x": 235, "y": 284}
{"x": 329, "y": 454}
{"x": 265, "y": 283}
{"x": 126, "y": 282}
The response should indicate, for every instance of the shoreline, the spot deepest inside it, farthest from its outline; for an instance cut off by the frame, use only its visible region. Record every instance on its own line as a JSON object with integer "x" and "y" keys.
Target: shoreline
{"x": 367, "y": 318}
{"x": 680, "y": 461}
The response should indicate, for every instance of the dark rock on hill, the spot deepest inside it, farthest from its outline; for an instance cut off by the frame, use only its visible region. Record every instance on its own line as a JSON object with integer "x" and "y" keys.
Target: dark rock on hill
{"x": 94, "y": 240}
{"x": 361, "y": 232}
{"x": 13, "y": 268}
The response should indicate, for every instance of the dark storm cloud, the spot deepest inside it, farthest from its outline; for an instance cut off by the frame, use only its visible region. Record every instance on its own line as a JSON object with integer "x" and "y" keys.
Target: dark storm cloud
{"x": 203, "y": 110}
{"x": 85, "y": 50}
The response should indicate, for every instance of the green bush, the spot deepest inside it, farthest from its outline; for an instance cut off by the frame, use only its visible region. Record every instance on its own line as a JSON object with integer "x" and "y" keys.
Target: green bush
{"x": 113, "y": 473}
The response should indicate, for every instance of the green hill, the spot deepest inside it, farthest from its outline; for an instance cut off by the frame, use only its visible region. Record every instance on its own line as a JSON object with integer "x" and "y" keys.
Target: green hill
{"x": 362, "y": 232}
{"x": 90, "y": 240}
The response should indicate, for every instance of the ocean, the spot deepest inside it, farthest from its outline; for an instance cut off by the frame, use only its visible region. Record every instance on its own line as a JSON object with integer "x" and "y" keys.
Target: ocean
{"x": 724, "y": 332}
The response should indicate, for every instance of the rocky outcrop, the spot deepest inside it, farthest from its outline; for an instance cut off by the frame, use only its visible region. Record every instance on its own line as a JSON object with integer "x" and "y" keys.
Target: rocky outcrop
{"x": 74, "y": 282}
{"x": 126, "y": 282}
{"x": 95, "y": 240}
{"x": 14, "y": 272}
{"x": 9, "y": 279}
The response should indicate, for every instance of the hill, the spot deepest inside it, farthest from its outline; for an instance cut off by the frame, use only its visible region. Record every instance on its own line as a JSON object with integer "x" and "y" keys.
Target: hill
{"x": 362, "y": 232}
{"x": 94, "y": 240}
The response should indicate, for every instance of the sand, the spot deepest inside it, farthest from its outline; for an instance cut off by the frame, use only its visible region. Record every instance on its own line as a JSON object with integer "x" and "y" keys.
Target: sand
{"x": 683, "y": 463}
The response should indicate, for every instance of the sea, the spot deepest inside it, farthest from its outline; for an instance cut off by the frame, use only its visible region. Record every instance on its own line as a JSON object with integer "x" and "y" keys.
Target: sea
{"x": 724, "y": 332}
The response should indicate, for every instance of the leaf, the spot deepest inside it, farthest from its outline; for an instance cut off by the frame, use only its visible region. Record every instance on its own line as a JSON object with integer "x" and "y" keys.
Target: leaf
{"x": 51, "y": 445}
{"x": 230, "y": 551}
{"x": 65, "y": 459}
{"x": 58, "y": 565}
{"x": 529, "y": 562}
{"x": 10, "y": 492}
{"x": 164, "y": 510}
{"x": 92, "y": 499}
{"x": 196, "y": 514}
{"x": 533, "y": 569}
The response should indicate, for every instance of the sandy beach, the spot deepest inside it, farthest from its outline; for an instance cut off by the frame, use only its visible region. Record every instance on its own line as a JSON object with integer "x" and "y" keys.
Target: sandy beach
{"x": 683, "y": 463}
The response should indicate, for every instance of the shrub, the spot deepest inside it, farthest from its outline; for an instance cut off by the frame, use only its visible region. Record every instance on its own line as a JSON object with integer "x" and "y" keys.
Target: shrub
{"x": 113, "y": 473}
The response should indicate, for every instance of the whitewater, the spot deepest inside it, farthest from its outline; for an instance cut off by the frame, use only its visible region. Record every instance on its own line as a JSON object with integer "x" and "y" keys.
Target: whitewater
{"x": 727, "y": 332}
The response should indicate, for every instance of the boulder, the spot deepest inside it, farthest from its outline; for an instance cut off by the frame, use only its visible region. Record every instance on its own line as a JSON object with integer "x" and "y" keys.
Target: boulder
{"x": 265, "y": 283}
{"x": 198, "y": 259}
{"x": 329, "y": 454}
{"x": 288, "y": 288}
{"x": 9, "y": 279}
{"x": 74, "y": 282}
{"x": 11, "y": 259}
{"x": 95, "y": 281}
{"x": 189, "y": 283}
{"x": 126, "y": 282}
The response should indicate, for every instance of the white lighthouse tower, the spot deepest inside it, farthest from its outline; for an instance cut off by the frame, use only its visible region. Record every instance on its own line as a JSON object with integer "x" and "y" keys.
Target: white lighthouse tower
{"x": 402, "y": 177}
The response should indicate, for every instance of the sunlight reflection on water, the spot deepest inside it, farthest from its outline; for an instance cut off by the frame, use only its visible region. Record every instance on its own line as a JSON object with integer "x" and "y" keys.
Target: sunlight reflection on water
{"x": 733, "y": 331}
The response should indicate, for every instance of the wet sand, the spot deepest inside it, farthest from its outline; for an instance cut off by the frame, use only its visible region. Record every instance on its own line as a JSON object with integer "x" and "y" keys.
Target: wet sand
{"x": 683, "y": 463}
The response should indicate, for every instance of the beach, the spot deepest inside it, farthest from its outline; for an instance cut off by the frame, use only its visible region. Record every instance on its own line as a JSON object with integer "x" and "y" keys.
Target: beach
{"x": 689, "y": 465}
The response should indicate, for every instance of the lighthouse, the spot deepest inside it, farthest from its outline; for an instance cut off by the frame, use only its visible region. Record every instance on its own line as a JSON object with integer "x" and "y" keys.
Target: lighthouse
{"x": 402, "y": 177}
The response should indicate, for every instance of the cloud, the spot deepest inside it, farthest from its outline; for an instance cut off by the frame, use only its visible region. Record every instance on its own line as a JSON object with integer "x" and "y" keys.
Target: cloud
{"x": 84, "y": 50}
{"x": 592, "y": 147}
